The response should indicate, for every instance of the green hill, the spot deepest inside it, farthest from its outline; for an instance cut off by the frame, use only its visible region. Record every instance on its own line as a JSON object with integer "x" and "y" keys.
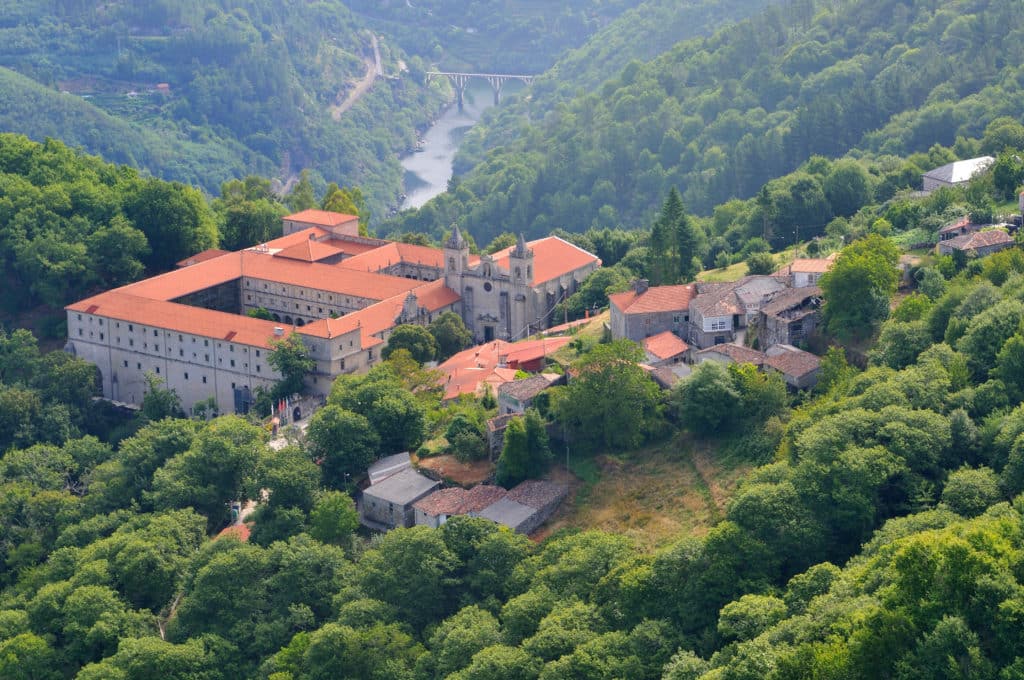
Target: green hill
{"x": 720, "y": 116}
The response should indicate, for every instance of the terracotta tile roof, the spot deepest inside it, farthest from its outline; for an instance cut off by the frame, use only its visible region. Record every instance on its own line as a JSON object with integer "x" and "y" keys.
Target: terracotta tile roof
{"x": 956, "y": 226}
{"x": 178, "y": 318}
{"x": 979, "y": 239}
{"x": 324, "y": 217}
{"x": 656, "y": 299}
{"x": 469, "y": 370}
{"x": 203, "y": 256}
{"x": 537, "y": 493}
{"x": 326, "y": 277}
{"x": 818, "y": 265}
{"x": 794, "y": 362}
{"x": 394, "y": 253}
{"x": 309, "y": 251}
{"x": 552, "y": 257}
{"x": 459, "y": 501}
{"x": 175, "y": 284}
{"x": 740, "y": 355}
{"x": 665, "y": 345}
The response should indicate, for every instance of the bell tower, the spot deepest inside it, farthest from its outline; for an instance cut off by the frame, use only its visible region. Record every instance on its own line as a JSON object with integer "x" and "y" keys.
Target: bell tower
{"x": 520, "y": 263}
{"x": 456, "y": 259}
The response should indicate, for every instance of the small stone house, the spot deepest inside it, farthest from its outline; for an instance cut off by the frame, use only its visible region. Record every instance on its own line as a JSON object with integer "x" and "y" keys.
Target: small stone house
{"x": 977, "y": 244}
{"x": 434, "y": 510}
{"x": 664, "y": 349}
{"x": 799, "y": 369}
{"x": 789, "y": 317}
{"x": 527, "y": 506}
{"x": 518, "y": 395}
{"x": 644, "y": 311}
{"x": 389, "y": 503}
{"x": 804, "y": 272}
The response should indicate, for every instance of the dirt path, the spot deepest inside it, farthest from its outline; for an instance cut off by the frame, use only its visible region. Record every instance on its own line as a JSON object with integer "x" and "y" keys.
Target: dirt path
{"x": 374, "y": 70}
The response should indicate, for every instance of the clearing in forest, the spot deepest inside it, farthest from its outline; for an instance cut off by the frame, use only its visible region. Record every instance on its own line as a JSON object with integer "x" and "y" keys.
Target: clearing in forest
{"x": 654, "y": 495}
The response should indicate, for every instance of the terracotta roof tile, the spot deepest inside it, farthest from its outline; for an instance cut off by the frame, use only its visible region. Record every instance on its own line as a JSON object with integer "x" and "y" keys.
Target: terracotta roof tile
{"x": 395, "y": 253}
{"x": 665, "y": 345}
{"x": 459, "y": 501}
{"x": 552, "y": 257}
{"x": 178, "y": 318}
{"x": 795, "y": 362}
{"x": 527, "y": 388}
{"x": 203, "y": 256}
{"x": 655, "y": 299}
{"x": 467, "y": 371}
{"x": 979, "y": 239}
{"x": 323, "y": 217}
{"x": 309, "y": 251}
{"x": 818, "y": 265}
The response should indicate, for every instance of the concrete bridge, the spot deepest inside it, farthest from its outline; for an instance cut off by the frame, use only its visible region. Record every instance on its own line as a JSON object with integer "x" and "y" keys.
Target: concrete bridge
{"x": 495, "y": 80}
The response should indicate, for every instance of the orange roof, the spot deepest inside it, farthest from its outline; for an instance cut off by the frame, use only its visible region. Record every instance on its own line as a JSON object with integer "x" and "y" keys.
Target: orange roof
{"x": 117, "y": 304}
{"x": 811, "y": 265}
{"x": 381, "y": 316}
{"x": 394, "y": 253}
{"x": 323, "y": 217}
{"x": 469, "y": 370}
{"x": 203, "y": 256}
{"x": 309, "y": 251}
{"x": 552, "y": 257}
{"x": 665, "y": 345}
{"x": 655, "y": 299}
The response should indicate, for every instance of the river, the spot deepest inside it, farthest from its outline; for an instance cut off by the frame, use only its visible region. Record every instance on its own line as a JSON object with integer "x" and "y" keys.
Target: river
{"x": 427, "y": 172}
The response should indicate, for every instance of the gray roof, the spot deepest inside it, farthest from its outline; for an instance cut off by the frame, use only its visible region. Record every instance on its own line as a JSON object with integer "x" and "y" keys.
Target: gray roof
{"x": 960, "y": 171}
{"x": 387, "y": 466}
{"x": 537, "y": 493}
{"x": 786, "y": 300}
{"x": 402, "y": 488}
{"x": 507, "y": 512}
{"x": 527, "y": 388}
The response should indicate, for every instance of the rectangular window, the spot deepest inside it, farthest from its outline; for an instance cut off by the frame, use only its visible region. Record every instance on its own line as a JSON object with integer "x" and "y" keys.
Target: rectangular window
{"x": 206, "y": 343}
{"x": 231, "y": 348}
{"x": 126, "y": 363}
{"x": 80, "y": 332}
{"x": 207, "y": 356}
{"x": 181, "y": 352}
{"x": 156, "y": 334}
{"x": 131, "y": 343}
{"x": 158, "y": 369}
{"x": 181, "y": 338}
{"x": 101, "y": 336}
{"x": 79, "y": 317}
{"x": 101, "y": 322}
{"x": 257, "y": 352}
{"x": 138, "y": 367}
{"x": 186, "y": 375}
{"x": 257, "y": 368}
{"x": 204, "y": 379}
{"x": 156, "y": 348}
{"x": 232, "y": 363}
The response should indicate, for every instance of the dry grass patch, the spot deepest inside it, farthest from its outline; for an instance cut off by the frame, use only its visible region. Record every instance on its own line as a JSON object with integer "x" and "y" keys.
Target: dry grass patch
{"x": 457, "y": 472}
{"x": 654, "y": 495}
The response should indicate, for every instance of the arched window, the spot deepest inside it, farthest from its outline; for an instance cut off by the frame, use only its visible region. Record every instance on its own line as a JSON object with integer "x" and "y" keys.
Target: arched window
{"x": 451, "y": 263}
{"x": 519, "y": 272}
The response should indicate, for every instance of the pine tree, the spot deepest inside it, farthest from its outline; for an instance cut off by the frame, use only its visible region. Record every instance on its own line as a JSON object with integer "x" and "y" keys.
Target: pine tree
{"x": 665, "y": 265}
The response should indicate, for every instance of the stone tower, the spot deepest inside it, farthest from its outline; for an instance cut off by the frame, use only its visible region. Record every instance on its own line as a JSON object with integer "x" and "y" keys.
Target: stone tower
{"x": 520, "y": 263}
{"x": 456, "y": 259}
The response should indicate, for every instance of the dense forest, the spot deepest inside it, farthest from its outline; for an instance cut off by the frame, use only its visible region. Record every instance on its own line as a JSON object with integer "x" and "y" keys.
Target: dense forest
{"x": 720, "y": 116}
{"x": 249, "y": 89}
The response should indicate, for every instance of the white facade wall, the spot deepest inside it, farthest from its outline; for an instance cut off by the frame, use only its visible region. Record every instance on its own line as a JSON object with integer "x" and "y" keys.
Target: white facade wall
{"x": 298, "y": 302}
{"x": 194, "y": 366}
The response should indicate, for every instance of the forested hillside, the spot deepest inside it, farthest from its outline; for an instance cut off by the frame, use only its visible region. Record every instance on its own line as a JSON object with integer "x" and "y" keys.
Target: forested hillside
{"x": 248, "y": 89}
{"x": 718, "y": 117}
{"x": 492, "y": 36}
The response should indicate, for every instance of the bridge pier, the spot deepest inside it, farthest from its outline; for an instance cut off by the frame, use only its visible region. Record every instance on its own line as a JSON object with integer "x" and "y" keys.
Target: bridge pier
{"x": 496, "y": 82}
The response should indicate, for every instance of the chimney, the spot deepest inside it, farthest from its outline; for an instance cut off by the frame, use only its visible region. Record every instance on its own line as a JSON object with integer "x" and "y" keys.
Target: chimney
{"x": 278, "y": 331}
{"x": 641, "y": 286}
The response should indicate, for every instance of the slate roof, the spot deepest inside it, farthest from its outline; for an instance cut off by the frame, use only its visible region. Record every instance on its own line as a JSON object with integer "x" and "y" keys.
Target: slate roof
{"x": 527, "y": 388}
{"x": 740, "y": 355}
{"x": 786, "y": 300}
{"x": 537, "y": 493}
{"x": 401, "y": 488}
{"x": 459, "y": 501}
{"x": 960, "y": 171}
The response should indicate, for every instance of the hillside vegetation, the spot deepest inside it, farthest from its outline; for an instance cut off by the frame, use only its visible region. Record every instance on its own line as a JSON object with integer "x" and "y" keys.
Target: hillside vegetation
{"x": 718, "y": 117}
{"x": 249, "y": 89}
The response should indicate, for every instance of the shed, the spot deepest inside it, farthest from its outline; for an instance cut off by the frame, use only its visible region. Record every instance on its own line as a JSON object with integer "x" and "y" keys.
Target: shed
{"x": 389, "y": 503}
{"x": 516, "y": 516}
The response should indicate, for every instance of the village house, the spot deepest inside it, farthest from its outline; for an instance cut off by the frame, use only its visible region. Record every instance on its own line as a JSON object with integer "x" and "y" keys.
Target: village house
{"x": 341, "y": 293}
{"x": 977, "y": 244}
{"x": 790, "y": 317}
{"x": 721, "y": 312}
{"x": 436, "y": 509}
{"x": 955, "y": 173}
{"x": 803, "y": 272}
{"x": 730, "y": 354}
{"x": 517, "y": 396}
{"x": 665, "y": 349}
{"x": 389, "y": 503}
{"x": 487, "y": 367}
{"x": 644, "y": 311}
{"x": 799, "y": 369}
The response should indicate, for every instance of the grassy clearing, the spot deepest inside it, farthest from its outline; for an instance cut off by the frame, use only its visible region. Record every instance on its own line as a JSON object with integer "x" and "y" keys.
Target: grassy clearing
{"x": 733, "y": 272}
{"x": 654, "y": 495}
{"x": 590, "y": 334}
